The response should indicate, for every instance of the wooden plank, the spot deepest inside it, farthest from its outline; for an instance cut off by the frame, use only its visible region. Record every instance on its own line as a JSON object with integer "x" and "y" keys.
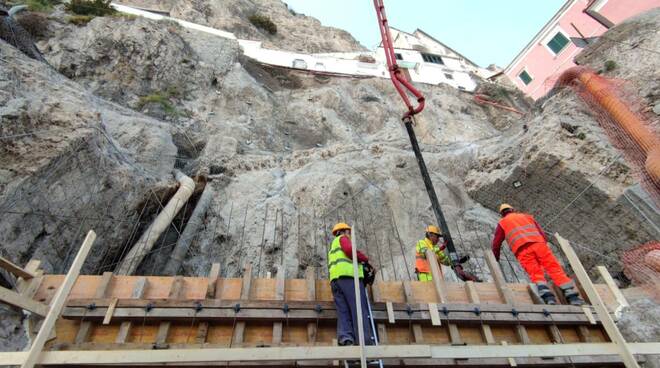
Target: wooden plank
{"x": 505, "y": 293}
{"x": 609, "y": 325}
{"x": 246, "y": 285}
{"x": 473, "y": 297}
{"x": 418, "y": 336}
{"x": 217, "y": 355}
{"x": 86, "y": 326}
{"x": 203, "y": 327}
{"x": 390, "y": 312}
{"x": 310, "y": 280}
{"x": 435, "y": 315}
{"x": 512, "y": 361}
{"x": 611, "y": 285}
{"x": 58, "y": 302}
{"x": 164, "y": 328}
{"x": 269, "y": 314}
{"x": 28, "y": 288}
{"x": 214, "y": 274}
{"x": 441, "y": 290}
{"x": 111, "y": 310}
{"x": 279, "y": 295}
{"x": 17, "y": 300}
{"x": 552, "y": 329}
{"x": 358, "y": 304}
{"x": 138, "y": 291}
{"x": 589, "y": 314}
{"x": 15, "y": 269}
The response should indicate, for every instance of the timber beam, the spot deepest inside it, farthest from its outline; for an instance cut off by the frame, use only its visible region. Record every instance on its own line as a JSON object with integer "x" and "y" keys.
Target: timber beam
{"x": 223, "y": 310}
{"x": 274, "y": 354}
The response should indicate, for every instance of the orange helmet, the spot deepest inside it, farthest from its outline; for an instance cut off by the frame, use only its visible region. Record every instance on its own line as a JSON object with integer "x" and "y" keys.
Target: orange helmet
{"x": 339, "y": 227}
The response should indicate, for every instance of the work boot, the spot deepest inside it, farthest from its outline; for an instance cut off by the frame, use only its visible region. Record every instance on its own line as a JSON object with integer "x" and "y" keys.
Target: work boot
{"x": 346, "y": 342}
{"x": 571, "y": 295}
{"x": 545, "y": 294}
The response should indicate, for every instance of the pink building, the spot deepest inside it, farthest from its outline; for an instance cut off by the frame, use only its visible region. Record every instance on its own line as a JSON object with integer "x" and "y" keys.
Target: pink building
{"x": 578, "y": 22}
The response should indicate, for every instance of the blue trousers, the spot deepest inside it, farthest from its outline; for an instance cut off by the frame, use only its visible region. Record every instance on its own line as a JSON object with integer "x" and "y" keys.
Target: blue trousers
{"x": 343, "y": 291}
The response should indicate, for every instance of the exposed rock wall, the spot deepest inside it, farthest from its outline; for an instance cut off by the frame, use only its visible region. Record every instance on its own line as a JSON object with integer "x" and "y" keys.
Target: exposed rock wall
{"x": 295, "y": 32}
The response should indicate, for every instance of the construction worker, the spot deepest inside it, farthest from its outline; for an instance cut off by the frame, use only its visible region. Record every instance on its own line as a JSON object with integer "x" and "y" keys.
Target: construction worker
{"x": 530, "y": 245}
{"x": 340, "y": 268}
{"x": 430, "y": 241}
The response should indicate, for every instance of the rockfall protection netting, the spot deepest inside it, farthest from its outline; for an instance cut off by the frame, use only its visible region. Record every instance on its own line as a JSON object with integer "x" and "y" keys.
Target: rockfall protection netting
{"x": 623, "y": 116}
{"x": 642, "y": 265}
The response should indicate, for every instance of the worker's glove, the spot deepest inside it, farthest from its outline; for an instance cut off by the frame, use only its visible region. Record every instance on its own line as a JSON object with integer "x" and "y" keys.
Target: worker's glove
{"x": 463, "y": 259}
{"x": 369, "y": 273}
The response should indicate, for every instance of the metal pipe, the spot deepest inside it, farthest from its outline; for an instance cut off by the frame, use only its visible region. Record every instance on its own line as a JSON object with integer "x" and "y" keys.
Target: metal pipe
{"x": 143, "y": 246}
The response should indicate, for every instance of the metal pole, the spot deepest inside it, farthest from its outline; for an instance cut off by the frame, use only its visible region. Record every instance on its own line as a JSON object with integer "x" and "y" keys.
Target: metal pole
{"x": 430, "y": 190}
{"x": 373, "y": 330}
{"x": 358, "y": 299}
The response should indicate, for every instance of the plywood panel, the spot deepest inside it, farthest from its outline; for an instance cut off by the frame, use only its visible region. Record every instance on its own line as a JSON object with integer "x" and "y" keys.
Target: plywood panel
{"x": 262, "y": 289}
{"x": 295, "y": 289}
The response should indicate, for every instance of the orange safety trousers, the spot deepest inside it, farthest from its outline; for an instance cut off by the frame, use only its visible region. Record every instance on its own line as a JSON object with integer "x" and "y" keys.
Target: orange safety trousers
{"x": 536, "y": 258}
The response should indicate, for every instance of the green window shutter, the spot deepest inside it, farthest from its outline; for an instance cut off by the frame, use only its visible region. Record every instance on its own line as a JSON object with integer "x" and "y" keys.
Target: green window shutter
{"x": 525, "y": 77}
{"x": 558, "y": 42}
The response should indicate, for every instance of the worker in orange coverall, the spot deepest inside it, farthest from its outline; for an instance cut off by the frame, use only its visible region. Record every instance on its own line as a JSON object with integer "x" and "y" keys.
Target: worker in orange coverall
{"x": 529, "y": 244}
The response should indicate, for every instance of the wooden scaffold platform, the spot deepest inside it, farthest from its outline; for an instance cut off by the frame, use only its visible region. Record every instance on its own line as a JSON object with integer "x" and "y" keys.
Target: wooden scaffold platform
{"x": 181, "y": 321}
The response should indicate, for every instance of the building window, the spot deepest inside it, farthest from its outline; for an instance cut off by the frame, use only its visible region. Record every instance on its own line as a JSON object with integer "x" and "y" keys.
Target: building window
{"x": 398, "y": 56}
{"x": 525, "y": 77}
{"x": 558, "y": 42}
{"x": 449, "y": 76}
{"x": 430, "y": 58}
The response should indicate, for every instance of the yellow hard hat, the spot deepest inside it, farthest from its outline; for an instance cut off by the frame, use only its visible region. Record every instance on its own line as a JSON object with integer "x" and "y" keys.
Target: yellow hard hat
{"x": 433, "y": 230}
{"x": 505, "y": 206}
{"x": 339, "y": 227}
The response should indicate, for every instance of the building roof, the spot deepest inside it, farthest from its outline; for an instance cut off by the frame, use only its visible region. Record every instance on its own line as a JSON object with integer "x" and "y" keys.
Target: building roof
{"x": 447, "y": 47}
{"x": 547, "y": 27}
{"x": 435, "y": 40}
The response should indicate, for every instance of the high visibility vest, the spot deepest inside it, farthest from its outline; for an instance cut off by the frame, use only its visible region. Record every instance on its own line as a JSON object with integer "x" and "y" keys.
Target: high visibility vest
{"x": 421, "y": 263}
{"x": 520, "y": 229}
{"x": 339, "y": 264}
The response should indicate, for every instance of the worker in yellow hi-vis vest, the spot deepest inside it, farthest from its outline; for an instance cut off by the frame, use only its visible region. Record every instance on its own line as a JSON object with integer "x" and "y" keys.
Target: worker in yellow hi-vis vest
{"x": 340, "y": 269}
{"x": 430, "y": 241}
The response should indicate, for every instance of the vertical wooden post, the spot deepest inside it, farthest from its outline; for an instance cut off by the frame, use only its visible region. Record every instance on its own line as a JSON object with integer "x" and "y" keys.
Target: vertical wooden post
{"x": 125, "y": 328}
{"x": 279, "y": 295}
{"x": 58, "y": 302}
{"x": 211, "y": 293}
{"x": 473, "y": 297}
{"x": 358, "y": 299}
{"x": 505, "y": 293}
{"x": 239, "y": 329}
{"x": 605, "y": 318}
{"x": 86, "y": 326}
{"x": 164, "y": 328}
{"x": 310, "y": 280}
{"x": 418, "y": 335}
{"x": 441, "y": 290}
{"x": 618, "y": 295}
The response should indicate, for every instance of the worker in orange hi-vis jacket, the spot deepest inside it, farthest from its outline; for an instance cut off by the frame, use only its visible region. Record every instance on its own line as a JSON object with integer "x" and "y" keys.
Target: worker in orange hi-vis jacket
{"x": 529, "y": 244}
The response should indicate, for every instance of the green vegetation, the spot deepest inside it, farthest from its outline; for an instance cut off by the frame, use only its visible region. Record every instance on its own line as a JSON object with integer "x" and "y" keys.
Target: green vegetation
{"x": 162, "y": 98}
{"x": 91, "y": 7}
{"x": 41, "y": 5}
{"x": 263, "y": 22}
{"x": 80, "y": 20}
{"x": 581, "y": 136}
{"x": 610, "y": 65}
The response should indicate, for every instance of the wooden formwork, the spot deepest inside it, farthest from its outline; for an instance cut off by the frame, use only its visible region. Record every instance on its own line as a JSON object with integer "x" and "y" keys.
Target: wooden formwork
{"x": 288, "y": 322}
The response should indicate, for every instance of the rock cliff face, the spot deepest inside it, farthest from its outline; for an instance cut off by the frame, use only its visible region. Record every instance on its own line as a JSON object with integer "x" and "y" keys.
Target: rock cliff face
{"x": 91, "y": 142}
{"x": 295, "y": 32}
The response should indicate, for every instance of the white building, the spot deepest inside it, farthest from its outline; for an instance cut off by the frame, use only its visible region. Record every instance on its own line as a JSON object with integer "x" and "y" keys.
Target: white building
{"x": 427, "y": 60}
{"x": 422, "y": 58}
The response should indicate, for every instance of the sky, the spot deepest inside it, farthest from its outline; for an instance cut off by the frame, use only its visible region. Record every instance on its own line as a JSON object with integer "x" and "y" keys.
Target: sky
{"x": 484, "y": 31}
